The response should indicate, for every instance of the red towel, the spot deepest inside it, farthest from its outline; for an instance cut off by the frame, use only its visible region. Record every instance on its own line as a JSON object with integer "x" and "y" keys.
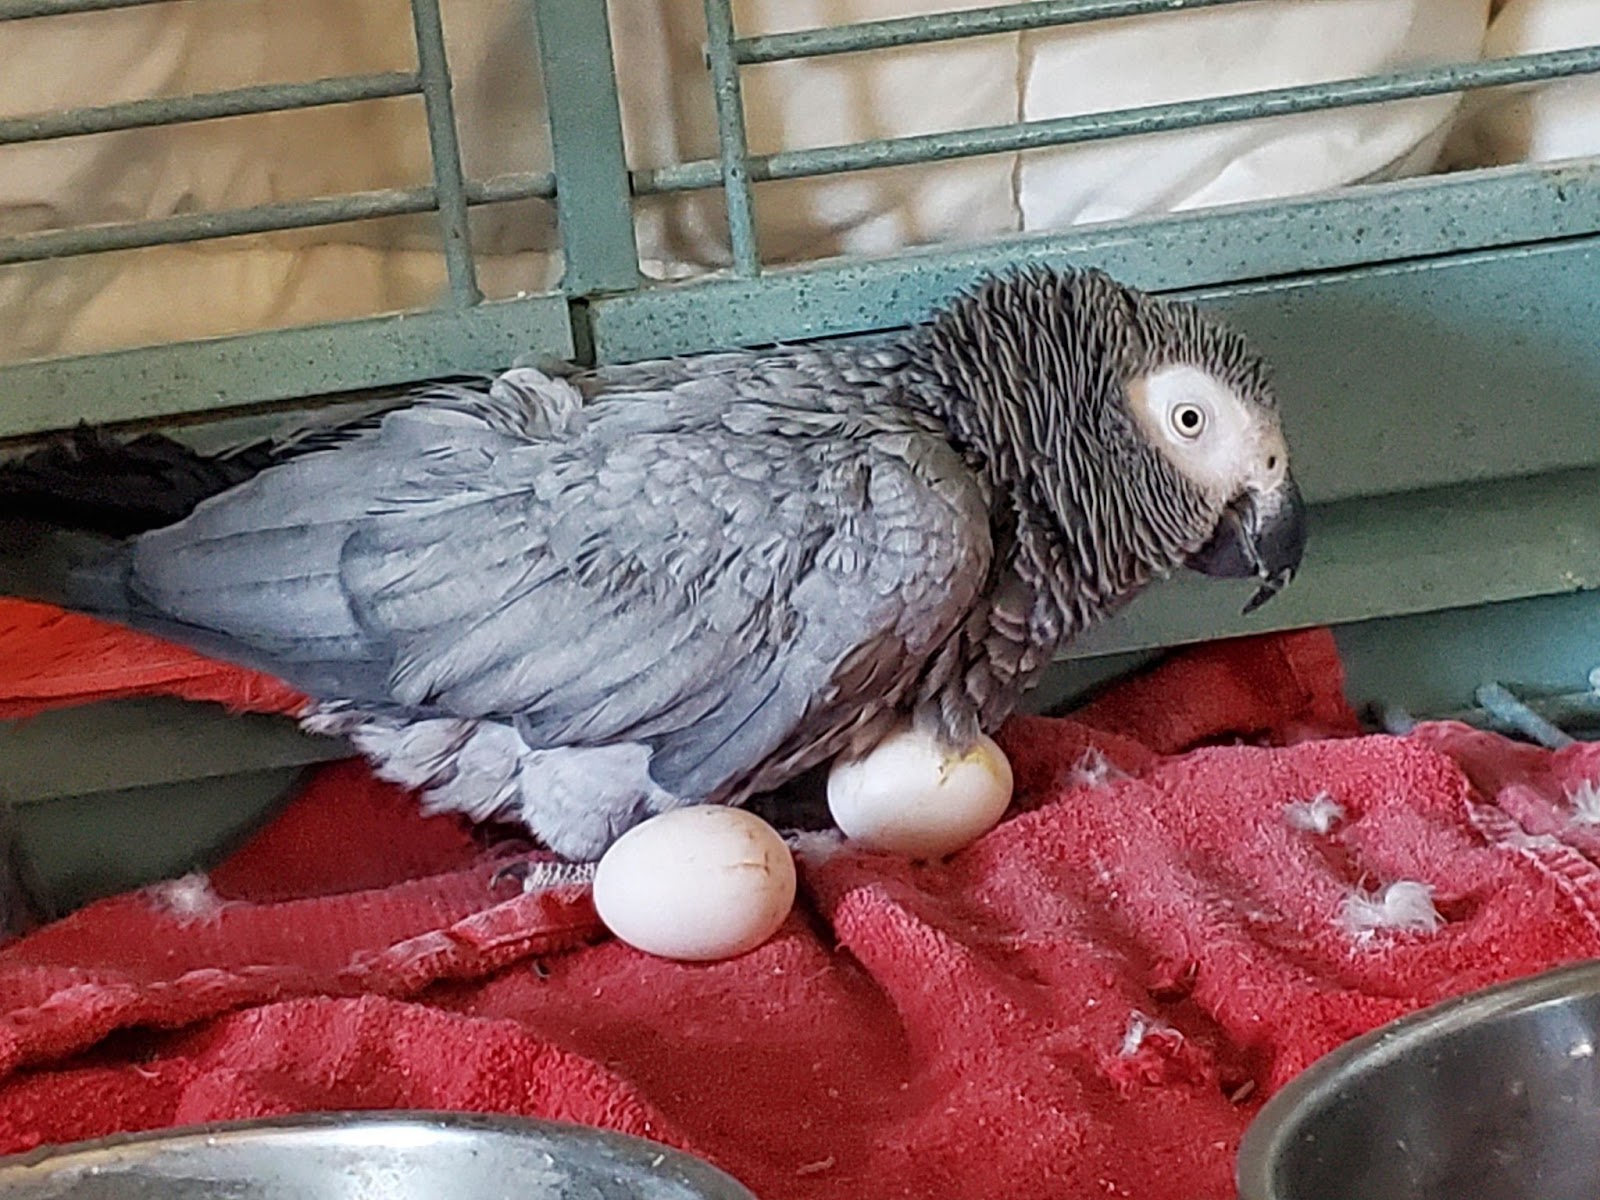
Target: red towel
{"x": 1092, "y": 1001}
{"x": 51, "y": 659}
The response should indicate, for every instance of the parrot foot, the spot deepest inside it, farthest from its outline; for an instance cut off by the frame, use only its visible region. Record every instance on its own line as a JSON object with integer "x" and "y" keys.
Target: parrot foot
{"x": 542, "y": 875}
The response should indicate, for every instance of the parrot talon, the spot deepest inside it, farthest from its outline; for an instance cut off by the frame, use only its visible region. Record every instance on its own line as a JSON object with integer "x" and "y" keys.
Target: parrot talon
{"x": 539, "y": 875}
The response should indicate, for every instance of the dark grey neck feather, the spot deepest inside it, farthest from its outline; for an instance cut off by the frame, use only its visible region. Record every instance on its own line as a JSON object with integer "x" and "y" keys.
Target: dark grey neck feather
{"x": 1027, "y": 373}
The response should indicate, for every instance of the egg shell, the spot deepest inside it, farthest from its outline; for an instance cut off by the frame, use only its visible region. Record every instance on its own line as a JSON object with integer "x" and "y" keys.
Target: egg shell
{"x": 696, "y": 884}
{"x": 911, "y": 795}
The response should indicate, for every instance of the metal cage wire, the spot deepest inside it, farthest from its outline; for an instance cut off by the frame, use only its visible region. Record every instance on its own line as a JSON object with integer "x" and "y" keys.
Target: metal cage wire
{"x": 737, "y": 169}
{"x": 449, "y": 197}
{"x": 604, "y": 305}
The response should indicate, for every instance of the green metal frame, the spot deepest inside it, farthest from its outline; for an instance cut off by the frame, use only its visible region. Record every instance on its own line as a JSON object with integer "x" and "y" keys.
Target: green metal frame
{"x": 1434, "y": 341}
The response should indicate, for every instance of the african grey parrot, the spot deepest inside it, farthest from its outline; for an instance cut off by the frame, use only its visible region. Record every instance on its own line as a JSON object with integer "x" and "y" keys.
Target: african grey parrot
{"x": 576, "y": 599}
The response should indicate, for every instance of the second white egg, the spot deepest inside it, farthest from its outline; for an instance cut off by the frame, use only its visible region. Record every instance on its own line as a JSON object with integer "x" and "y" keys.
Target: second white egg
{"x": 912, "y": 795}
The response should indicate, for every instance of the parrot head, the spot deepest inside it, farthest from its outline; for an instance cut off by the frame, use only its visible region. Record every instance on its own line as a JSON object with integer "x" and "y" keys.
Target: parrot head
{"x": 1147, "y": 430}
{"x": 1203, "y": 400}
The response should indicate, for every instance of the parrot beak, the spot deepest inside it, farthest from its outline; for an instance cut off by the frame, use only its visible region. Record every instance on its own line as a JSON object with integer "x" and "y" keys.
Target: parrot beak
{"x": 1262, "y": 535}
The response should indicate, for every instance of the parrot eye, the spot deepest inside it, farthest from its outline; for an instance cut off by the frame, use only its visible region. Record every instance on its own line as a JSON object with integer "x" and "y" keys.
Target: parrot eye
{"x": 1188, "y": 420}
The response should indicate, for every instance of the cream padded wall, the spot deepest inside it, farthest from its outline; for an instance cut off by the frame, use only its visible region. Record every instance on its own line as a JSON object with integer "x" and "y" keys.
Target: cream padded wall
{"x": 249, "y": 283}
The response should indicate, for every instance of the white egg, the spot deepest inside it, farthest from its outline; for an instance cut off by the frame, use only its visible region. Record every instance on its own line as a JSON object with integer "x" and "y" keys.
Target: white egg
{"x": 696, "y": 884}
{"x": 912, "y": 795}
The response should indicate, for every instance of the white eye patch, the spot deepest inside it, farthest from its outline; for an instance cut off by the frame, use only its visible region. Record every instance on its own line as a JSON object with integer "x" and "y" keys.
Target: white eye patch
{"x": 1200, "y": 424}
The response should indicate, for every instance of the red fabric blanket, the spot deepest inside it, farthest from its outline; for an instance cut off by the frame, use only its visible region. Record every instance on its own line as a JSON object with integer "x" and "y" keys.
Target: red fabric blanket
{"x": 1091, "y": 1002}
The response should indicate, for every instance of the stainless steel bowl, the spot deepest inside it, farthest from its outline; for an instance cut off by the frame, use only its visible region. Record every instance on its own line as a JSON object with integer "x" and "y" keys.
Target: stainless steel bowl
{"x": 1494, "y": 1096}
{"x": 367, "y": 1156}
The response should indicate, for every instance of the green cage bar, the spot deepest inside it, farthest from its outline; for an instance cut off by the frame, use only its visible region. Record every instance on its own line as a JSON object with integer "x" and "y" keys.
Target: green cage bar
{"x": 450, "y": 192}
{"x": 516, "y": 185}
{"x": 1132, "y": 122}
{"x": 199, "y": 227}
{"x": 944, "y": 27}
{"x": 731, "y": 138}
{"x": 592, "y": 198}
{"x": 264, "y": 218}
{"x": 18, "y": 10}
{"x": 239, "y": 102}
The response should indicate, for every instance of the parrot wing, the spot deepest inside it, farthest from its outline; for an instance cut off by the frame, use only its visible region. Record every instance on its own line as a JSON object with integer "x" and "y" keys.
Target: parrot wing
{"x": 712, "y": 579}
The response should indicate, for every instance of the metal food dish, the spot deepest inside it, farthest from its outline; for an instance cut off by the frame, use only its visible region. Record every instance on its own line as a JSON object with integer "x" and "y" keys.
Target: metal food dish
{"x": 368, "y": 1156}
{"x": 1493, "y": 1096}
